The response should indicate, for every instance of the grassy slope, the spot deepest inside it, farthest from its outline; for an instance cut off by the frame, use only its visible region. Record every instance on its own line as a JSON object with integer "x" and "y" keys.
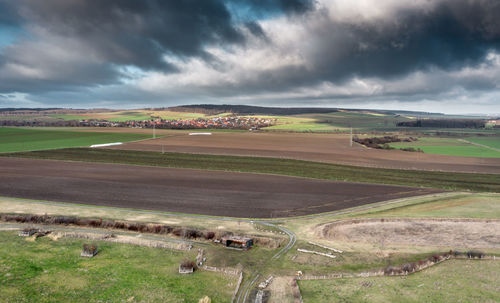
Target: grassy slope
{"x": 53, "y": 271}
{"x": 443, "y": 180}
{"x": 458, "y": 206}
{"x": 22, "y": 139}
{"x": 454, "y": 147}
{"x": 446, "y": 205}
{"x": 452, "y": 281}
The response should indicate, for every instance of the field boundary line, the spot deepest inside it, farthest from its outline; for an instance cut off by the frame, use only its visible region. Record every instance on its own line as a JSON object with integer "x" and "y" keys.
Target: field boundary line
{"x": 480, "y": 145}
{"x": 380, "y": 272}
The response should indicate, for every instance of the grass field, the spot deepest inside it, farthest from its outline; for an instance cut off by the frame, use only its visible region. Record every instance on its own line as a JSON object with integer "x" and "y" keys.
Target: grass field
{"x": 451, "y": 281}
{"x": 459, "y": 206}
{"x": 120, "y": 116}
{"x": 335, "y": 122}
{"x": 24, "y": 139}
{"x": 493, "y": 142}
{"x": 53, "y": 271}
{"x": 442, "y": 180}
{"x": 455, "y": 147}
{"x": 27, "y": 118}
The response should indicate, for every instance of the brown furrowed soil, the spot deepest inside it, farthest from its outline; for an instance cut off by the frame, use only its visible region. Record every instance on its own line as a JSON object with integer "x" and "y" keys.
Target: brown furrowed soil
{"x": 331, "y": 148}
{"x": 456, "y": 233}
{"x": 186, "y": 190}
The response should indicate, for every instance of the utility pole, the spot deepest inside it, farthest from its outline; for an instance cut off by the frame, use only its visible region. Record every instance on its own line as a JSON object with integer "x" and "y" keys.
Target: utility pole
{"x": 350, "y": 142}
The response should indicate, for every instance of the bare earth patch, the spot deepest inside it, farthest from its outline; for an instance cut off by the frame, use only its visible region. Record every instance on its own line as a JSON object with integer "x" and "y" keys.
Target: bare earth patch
{"x": 416, "y": 232}
{"x": 329, "y": 148}
{"x": 187, "y": 190}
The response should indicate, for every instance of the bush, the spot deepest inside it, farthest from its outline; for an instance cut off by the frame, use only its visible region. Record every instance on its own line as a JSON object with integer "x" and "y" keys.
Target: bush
{"x": 392, "y": 270}
{"x": 472, "y": 254}
{"x": 188, "y": 264}
{"x": 178, "y": 232}
{"x": 409, "y": 267}
{"x": 133, "y": 227}
{"x": 209, "y": 235}
{"x": 90, "y": 248}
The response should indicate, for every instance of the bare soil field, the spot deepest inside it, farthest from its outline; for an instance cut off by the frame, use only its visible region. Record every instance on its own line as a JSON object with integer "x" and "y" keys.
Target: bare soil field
{"x": 186, "y": 190}
{"x": 455, "y": 233}
{"x": 330, "y": 148}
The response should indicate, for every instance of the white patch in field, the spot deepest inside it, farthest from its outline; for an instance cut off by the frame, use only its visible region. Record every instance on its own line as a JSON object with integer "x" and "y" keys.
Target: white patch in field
{"x": 106, "y": 144}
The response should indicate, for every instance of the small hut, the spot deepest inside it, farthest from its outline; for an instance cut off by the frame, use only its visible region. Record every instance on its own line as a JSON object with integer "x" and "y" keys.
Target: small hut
{"x": 89, "y": 250}
{"x": 237, "y": 242}
{"x": 186, "y": 267}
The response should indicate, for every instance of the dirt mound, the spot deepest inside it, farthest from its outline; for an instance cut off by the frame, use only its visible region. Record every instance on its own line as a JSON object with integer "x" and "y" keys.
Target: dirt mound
{"x": 418, "y": 232}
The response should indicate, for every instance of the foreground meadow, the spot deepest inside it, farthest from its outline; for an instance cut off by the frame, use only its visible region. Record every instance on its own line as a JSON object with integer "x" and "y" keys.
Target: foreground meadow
{"x": 451, "y": 281}
{"x": 53, "y": 271}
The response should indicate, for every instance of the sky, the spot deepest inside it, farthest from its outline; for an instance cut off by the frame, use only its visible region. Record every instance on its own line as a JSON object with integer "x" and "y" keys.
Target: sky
{"x": 423, "y": 55}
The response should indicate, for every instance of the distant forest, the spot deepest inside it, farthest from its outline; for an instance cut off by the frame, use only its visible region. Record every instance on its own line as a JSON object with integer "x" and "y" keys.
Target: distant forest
{"x": 445, "y": 123}
{"x": 212, "y": 109}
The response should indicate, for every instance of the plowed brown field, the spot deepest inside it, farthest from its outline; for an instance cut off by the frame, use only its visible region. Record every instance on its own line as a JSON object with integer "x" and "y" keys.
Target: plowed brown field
{"x": 331, "y": 148}
{"x": 186, "y": 190}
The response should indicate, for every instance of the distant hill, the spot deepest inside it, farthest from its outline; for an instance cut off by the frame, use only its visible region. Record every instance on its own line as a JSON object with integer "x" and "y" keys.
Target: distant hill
{"x": 213, "y": 109}
{"x": 11, "y": 109}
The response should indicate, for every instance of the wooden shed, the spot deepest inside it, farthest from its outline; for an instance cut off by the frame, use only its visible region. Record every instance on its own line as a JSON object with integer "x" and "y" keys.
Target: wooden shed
{"x": 237, "y": 242}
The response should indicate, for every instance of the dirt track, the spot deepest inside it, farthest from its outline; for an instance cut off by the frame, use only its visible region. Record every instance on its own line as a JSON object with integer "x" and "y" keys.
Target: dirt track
{"x": 331, "y": 148}
{"x": 186, "y": 190}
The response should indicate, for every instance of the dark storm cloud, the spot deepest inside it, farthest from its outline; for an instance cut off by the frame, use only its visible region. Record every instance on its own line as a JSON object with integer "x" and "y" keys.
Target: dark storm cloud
{"x": 268, "y": 7}
{"x": 138, "y": 33}
{"x": 146, "y": 34}
{"x": 450, "y": 36}
{"x": 8, "y": 15}
{"x": 85, "y": 44}
{"x": 256, "y": 29}
{"x": 454, "y": 34}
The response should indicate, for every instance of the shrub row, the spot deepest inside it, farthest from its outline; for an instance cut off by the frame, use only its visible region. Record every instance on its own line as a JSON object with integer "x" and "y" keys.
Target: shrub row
{"x": 408, "y": 268}
{"x": 122, "y": 225}
{"x": 382, "y": 142}
{"x": 444, "y": 123}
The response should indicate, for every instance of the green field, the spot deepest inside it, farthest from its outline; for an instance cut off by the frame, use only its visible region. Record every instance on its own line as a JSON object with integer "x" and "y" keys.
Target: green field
{"x": 25, "y": 139}
{"x": 458, "y": 206}
{"x": 451, "y": 281}
{"x": 27, "y": 118}
{"x": 442, "y": 180}
{"x": 455, "y": 147}
{"x": 336, "y": 121}
{"x": 121, "y": 116}
{"x": 493, "y": 142}
{"x": 53, "y": 271}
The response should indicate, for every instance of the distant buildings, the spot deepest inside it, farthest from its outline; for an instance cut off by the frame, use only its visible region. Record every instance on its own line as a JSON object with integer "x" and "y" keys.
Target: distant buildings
{"x": 227, "y": 122}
